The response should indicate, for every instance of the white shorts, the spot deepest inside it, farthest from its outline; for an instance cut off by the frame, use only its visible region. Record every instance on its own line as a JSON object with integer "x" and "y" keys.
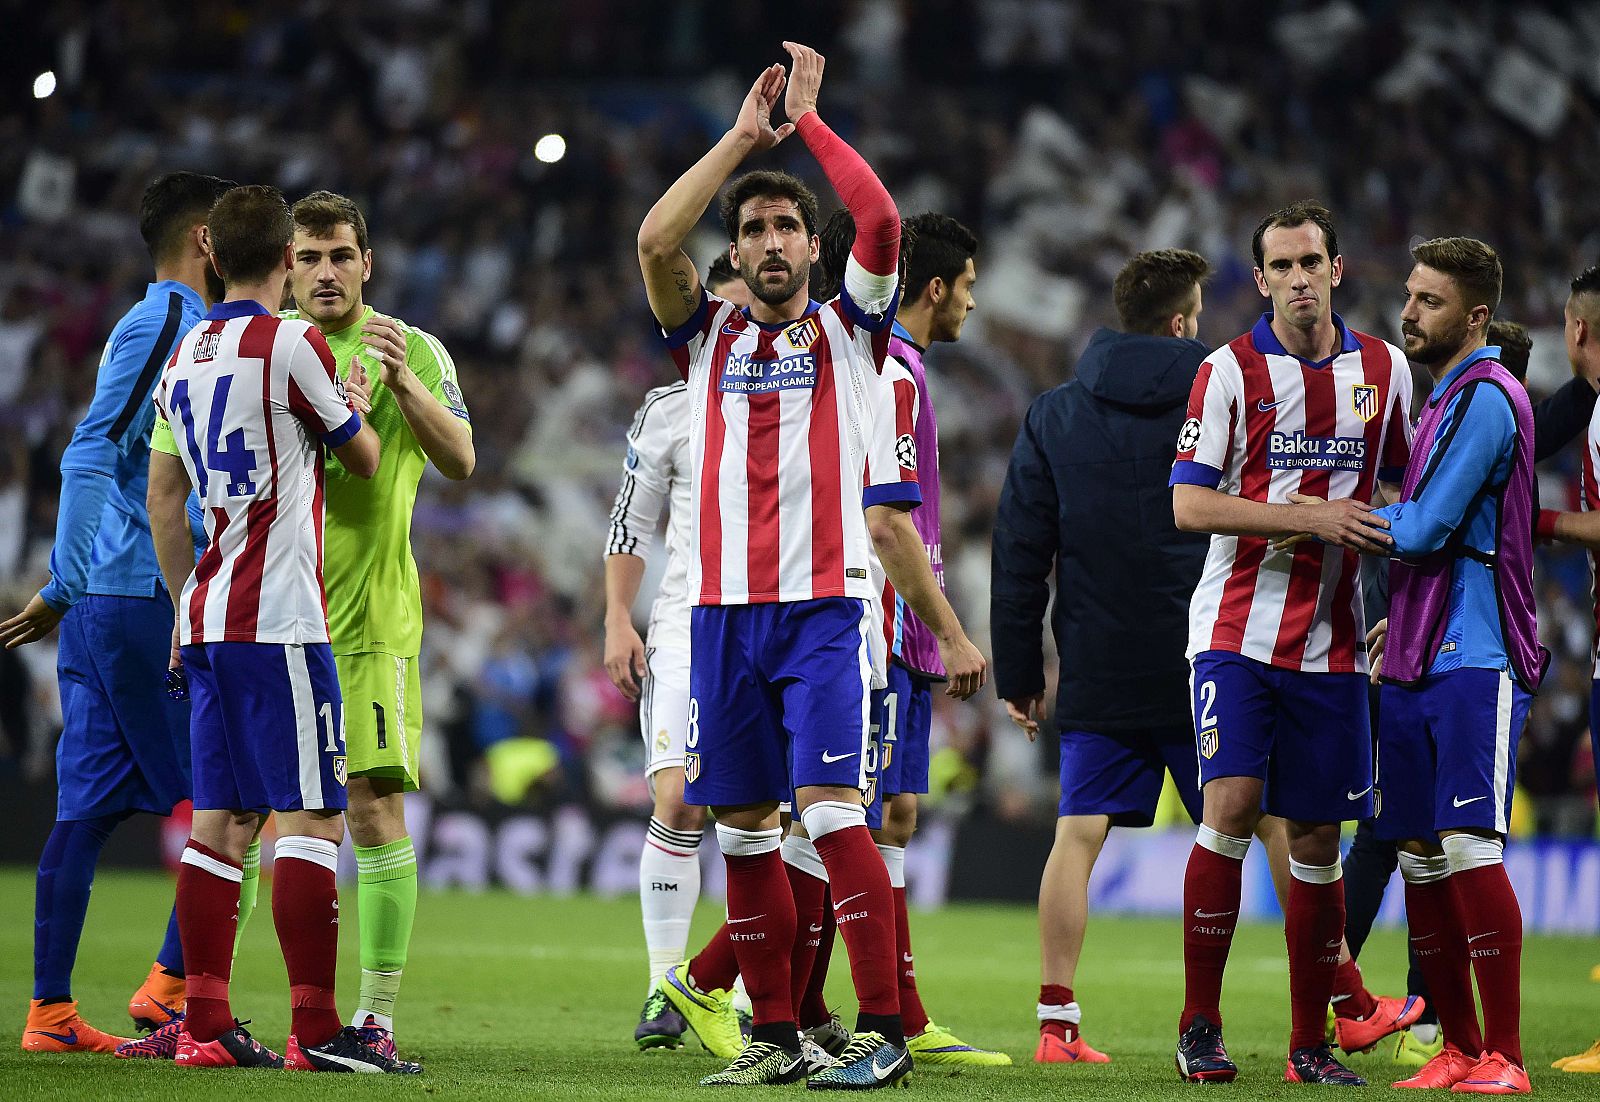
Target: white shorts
{"x": 664, "y": 707}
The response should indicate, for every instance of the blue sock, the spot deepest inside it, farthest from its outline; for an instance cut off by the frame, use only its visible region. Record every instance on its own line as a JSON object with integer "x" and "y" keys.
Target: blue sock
{"x": 171, "y": 956}
{"x": 61, "y": 900}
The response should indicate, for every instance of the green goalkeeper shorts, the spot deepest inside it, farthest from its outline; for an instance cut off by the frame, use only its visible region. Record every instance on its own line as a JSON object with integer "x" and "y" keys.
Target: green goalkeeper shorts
{"x": 382, "y": 716}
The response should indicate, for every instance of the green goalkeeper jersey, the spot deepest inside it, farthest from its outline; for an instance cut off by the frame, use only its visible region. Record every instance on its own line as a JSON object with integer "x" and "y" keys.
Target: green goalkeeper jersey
{"x": 374, "y": 598}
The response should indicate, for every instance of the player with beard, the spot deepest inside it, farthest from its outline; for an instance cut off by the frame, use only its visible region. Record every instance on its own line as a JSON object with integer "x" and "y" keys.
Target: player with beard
{"x": 1459, "y": 658}
{"x": 780, "y": 635}
{"x": 1299, "y": 408}
{"x": 124, "y": 745}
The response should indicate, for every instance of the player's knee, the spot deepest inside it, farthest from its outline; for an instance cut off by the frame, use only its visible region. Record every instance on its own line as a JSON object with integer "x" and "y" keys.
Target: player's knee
{"x": 900, "y": 819}
{"x": 1313, "y": 845}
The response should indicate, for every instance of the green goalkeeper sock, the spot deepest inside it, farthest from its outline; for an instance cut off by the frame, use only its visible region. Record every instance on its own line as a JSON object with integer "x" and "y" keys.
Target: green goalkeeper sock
{"x": 248, "y": 887}
{"x": 386, "y": 897}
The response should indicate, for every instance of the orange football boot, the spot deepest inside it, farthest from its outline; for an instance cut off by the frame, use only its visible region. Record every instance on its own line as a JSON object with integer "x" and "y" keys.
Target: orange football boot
{"x": 56, "y": 1027}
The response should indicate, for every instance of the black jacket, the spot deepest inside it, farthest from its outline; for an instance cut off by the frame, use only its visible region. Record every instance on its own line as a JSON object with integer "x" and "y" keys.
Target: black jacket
{"x": 1086, "y": 494}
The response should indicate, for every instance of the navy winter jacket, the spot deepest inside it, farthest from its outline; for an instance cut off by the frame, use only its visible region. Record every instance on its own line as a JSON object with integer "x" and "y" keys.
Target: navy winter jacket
{"x": 1086, "y": 495}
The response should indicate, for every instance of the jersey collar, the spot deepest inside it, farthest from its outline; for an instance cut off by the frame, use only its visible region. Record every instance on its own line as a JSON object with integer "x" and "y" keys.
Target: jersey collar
{"x": 1268, "y": 344}
{"x": 899, "y": 330}
{"x": 812, "y": 306}
{"x": 179, "y": 288}
{"x": 244, "y": 308}
{"x": 1487, "y": 352}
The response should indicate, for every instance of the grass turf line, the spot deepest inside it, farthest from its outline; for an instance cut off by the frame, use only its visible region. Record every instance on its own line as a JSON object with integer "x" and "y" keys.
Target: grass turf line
{"x": 510, "y": 997}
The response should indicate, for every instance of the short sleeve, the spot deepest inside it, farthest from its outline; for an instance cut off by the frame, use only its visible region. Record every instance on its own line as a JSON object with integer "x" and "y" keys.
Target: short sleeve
{"x": 1395, "y": 451}
{"x": 891, "y": 469}
{"x": 685, "y": 342}
{"x": 1207, "y": 434}
{"x": 316, "y": 395}
{"x": 867, "y": 304}
{"x": 433, "y": 365}
{"x": 161, "y": 438}
{"x": 650, "y": 443}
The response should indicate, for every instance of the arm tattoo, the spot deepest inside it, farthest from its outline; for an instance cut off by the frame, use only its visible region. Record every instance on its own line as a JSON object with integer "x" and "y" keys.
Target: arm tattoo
{"x": 681, "y": 277}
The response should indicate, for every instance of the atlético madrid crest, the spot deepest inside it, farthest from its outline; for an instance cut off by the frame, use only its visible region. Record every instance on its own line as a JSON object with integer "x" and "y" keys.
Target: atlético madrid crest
{"x": 1364, "y": 400}
{"x": 1209, "y": 741}
{"x": 691, "y": 767}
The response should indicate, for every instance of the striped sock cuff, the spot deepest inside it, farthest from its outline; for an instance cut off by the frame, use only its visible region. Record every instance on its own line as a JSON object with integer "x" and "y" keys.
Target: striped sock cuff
{"x": 301, "y": 847}
{"x": 252, "y": 858}
{"x": 209, "y": 860}
{"x": 680, "y": 842}
{"x": 391, "y": 861}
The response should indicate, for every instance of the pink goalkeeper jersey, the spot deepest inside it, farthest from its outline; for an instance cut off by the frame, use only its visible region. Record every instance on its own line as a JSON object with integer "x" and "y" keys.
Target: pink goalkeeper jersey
{"x": 781, "y": 423}
{"x": 252, "y": 399}
{"x": 1264, "y": 424}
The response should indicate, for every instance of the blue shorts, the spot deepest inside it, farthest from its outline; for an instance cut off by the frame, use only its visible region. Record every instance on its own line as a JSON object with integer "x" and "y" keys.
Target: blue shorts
{"x": 1447, "y": 753}
{"x": 1120, "y": 773}
{"x": 1307, "y": 735}
{"x": 267, "y": 729}
{"x": 777, "y": 700}
{"x": 902, "y": 721}
{"x": 124, "y": 744}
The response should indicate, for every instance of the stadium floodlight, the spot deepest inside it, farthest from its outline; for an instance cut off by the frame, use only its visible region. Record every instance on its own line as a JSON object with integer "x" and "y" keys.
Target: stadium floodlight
{"x": 44, "y": 84}
{"x": 550, "y": 148}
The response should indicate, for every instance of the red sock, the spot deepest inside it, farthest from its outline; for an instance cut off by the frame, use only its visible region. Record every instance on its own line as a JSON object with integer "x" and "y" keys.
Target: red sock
{"x": 1212, "y": 888}
{"x": 863, "y": 906}
{"x": 814, "y": 1003}
{"x": 1314, "y": 930}
{"x": 1055, "y": 994}
{"x": 208, "y": 914}
{"x": 810, "y": 900}
{"x": 1440, "y": 946}
{"x": 913, "y": 1018}
{"x": 1493, "y": 930}
{"x": 1351, "y": 999}
{"x": 761, "y": 927}
{"x": 715, "y": 967}
{"x": 305, "y": 910}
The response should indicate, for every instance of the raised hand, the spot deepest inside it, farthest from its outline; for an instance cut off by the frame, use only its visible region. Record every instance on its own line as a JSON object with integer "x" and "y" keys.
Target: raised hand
{"x": 385, "y": 337}
{"x": 754, "y": 123}
{"x": 805, "y": 80}
{"x": 358, "y": 388}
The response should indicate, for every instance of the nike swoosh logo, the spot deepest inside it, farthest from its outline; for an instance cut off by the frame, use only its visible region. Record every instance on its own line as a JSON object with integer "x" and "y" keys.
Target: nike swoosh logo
{"x": 734, "y": 332}
{"x": 752, "y": 918}
{"x": 817, "y": 929}
{"x": 1425, "y": 937}
{"x": 880, "y": 1074}
{"x": 1358, "y": 795}
{"x": 1198, "y": 913}
{"x": 831, "y": 758}
{"x": 906, "y": 957}
{"x": 1335, "y": 943}
{"x": 1480, "y": 937}
{"x": 842, "y": 902}
{"x": 1267, "y": 407}
{"x": 68, "y": 1038}
{"x": 1459, "y": 802}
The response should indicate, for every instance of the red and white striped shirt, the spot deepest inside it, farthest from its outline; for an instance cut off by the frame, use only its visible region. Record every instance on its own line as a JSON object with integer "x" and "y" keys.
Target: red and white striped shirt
{"x": 249, "y": 397}
{"x": 782, "y": 417}
{"x": 1264, "y": 424}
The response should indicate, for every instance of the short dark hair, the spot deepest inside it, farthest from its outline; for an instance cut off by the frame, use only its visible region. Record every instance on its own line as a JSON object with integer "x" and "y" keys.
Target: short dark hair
{"x": 1587, "y": 282}
{"x": 172, "y": 204}
{"x": 721, "y": 272}
{"x": 250, "y": 227}
{"x": 943, "y": 247}
{"x": 1516, "y": 344}
{"x": 767, "y": 184}
{"x": 838, "y": 237}
{"x": 1473, "y": 265}
{"x": 319, "y": 212}
{"x": 1155, "y": 285}
{"x": 1295, "y": 214}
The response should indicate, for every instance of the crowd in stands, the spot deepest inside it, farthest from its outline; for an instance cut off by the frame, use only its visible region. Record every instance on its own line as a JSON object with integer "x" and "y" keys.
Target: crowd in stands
{"x": 1033, "y": 121}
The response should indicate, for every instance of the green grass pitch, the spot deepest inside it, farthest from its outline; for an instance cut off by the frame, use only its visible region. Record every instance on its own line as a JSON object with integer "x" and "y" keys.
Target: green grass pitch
{"x": 509, "y": 997}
